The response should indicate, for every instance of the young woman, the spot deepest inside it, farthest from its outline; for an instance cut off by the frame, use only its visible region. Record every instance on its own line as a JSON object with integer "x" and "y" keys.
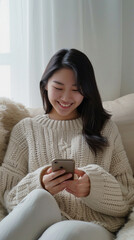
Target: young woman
{"x": 48, "y": 205}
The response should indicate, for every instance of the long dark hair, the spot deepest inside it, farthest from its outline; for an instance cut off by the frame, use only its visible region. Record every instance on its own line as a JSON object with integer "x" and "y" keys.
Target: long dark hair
{"x": 91, "y": 110}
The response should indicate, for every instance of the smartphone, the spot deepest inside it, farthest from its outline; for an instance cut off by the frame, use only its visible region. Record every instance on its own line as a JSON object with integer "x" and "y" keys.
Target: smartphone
{"x": 67, "y": 164}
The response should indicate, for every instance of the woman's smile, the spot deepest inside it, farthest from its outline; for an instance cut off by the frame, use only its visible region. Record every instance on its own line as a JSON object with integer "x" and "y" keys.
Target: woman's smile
{"x": 65, "y": 105}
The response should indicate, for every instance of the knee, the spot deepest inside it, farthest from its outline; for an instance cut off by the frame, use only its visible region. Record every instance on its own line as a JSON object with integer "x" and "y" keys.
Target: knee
{"x": 62, "y": 230}
{"x": 76, "y": 230}
{"x": 38, "y": 194}
{"x": 41, "y": 200}
{"x": 39, "y": 197}
{"x": 36, "y": 198}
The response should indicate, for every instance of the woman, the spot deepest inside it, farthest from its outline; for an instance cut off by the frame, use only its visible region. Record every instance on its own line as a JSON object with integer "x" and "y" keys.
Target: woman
{"x": 76, "y": 126}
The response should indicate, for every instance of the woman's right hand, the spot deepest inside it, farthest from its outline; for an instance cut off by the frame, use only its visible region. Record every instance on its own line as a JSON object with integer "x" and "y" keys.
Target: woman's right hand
{"x": 53, "y": 182}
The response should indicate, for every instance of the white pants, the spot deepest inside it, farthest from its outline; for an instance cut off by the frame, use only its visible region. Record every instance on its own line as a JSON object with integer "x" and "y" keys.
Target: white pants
{"x": 38, "y": 217}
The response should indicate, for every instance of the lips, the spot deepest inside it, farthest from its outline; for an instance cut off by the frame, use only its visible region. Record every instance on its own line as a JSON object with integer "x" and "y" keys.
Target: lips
{"x": 63, "y": 105}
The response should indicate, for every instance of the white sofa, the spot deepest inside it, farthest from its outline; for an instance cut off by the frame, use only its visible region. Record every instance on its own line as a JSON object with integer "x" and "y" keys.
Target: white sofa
{"x": 122, "y": 110}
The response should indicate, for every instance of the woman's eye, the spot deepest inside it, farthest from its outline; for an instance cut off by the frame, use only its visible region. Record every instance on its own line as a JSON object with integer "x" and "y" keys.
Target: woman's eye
{"x": 58, "y": 88}
{"x": 75, "y": 90}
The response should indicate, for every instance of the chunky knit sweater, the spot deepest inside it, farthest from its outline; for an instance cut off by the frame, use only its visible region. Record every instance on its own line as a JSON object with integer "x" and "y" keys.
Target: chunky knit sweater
{"x": 35, "y": 142}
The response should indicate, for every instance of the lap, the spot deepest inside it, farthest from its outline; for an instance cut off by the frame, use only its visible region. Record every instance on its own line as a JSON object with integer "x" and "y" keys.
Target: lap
{"x": 31, "y": 217}
{"x": 76, "y": 230}
{"x": 39, "y": 215}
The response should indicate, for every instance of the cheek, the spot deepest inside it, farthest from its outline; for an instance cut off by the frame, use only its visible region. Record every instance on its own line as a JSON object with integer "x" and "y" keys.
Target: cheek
{"x": 52, "y": 94}
{"x": 79, "y": 98}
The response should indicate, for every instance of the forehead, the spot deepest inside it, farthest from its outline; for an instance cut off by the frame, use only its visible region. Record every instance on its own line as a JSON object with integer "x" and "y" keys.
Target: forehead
{"x": 63, "y": 76}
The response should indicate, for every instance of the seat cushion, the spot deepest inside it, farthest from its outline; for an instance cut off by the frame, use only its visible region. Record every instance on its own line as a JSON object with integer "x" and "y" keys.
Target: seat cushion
{"x": 122, "y": 110}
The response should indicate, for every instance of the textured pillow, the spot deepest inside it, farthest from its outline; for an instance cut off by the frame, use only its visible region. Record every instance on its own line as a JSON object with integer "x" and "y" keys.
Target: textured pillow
{"x": 10, "y": 114}
{"x": 122, "y": 110}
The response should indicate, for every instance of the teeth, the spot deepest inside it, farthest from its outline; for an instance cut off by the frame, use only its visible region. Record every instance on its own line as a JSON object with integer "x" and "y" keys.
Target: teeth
{"x": 65, "y": 105}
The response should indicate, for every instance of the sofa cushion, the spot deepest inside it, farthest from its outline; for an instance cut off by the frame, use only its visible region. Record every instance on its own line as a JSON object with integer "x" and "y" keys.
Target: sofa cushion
{"x": 10, "y": 113}
{"x": 122, "y": 110}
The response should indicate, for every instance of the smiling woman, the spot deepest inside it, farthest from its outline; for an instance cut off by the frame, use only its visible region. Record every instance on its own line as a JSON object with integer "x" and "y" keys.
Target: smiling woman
{"x": 75, "y": 126}
{"x": 63, "y": 95}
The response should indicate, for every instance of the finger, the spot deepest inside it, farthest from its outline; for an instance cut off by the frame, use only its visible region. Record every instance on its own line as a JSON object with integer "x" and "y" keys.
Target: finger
{"x": 56, "y": 181}
{"x": 49, "y": 170}
{"x": 79, "y": 172}
{"x": 72, "y": 185}
{"x": 80, "y": 185}
{"x": 61, "y": 179}
{"x": 49, "y": 177}
{"x": 84, "y": 179}
{"x": 58, "y": 184}
{"x": 55, "y": 174}
{"x": 57, "y": 189}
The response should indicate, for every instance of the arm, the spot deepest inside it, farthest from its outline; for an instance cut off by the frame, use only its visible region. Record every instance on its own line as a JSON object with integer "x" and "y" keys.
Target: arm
{"x": 109, "y": 188}
{"x": 16, "y": 181}
{"x": 112, "y": 192}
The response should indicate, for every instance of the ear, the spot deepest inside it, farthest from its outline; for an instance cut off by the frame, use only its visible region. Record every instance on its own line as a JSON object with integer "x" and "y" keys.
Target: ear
{"x": 46, "y": 87}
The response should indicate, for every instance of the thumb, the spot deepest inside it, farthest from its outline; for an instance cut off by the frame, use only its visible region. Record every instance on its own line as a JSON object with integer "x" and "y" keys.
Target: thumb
{"x": 49, "y": 170}
{"x": 79, "y": 172}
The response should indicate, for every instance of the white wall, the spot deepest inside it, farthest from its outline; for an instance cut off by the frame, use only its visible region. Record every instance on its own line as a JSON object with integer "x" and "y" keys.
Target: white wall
{"x": 127, "y": 83}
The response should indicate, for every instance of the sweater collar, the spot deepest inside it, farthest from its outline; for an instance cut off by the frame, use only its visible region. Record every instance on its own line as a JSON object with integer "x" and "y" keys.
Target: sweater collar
{"x": 67, "y": 125}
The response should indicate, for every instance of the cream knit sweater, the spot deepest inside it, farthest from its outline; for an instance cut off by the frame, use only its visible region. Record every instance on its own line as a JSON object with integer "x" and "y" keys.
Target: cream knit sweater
{"x": 35, "y": 142}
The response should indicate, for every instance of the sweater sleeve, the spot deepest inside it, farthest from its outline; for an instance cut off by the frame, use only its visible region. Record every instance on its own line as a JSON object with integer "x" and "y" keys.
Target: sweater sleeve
{"x": 3, "y": 212}
{"x": 112, "y": 192}
{"x": 16, "y": 181}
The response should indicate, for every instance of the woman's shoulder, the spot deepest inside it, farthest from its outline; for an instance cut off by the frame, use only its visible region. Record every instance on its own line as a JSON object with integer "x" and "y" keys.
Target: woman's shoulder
{"x": 109, "y": 128}
{"x": 27, "y": 123}
{"x": 28, "y": 120}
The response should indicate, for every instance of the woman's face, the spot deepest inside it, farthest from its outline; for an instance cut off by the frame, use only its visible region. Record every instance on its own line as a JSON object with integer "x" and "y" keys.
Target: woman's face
{"x": 63, "y": 95}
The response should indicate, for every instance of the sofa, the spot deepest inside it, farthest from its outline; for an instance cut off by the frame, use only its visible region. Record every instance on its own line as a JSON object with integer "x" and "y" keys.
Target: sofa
{"x": 122, "y": 110}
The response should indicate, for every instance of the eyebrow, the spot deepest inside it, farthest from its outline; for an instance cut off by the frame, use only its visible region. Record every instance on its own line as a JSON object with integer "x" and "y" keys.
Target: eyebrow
{"x": 62, "y": 83}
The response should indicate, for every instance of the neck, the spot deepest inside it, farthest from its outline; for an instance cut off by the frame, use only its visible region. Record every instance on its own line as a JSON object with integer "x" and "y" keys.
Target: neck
{"x": 54, "y": 116}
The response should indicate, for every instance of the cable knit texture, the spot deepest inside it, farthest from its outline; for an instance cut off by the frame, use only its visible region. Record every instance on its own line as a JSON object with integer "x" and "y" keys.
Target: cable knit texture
{"x": 35, "y": 142}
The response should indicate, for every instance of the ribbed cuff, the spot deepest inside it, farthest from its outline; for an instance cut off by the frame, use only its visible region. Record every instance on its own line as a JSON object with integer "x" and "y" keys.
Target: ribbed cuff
{"x": 96, "y": 195}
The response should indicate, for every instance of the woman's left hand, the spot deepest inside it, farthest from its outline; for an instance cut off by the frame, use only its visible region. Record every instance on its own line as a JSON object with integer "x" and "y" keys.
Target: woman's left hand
{"x": 79, "y": 187}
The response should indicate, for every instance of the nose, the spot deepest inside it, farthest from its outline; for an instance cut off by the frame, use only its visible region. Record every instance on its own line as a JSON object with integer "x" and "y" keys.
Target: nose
{"x": 66, "y": 96}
